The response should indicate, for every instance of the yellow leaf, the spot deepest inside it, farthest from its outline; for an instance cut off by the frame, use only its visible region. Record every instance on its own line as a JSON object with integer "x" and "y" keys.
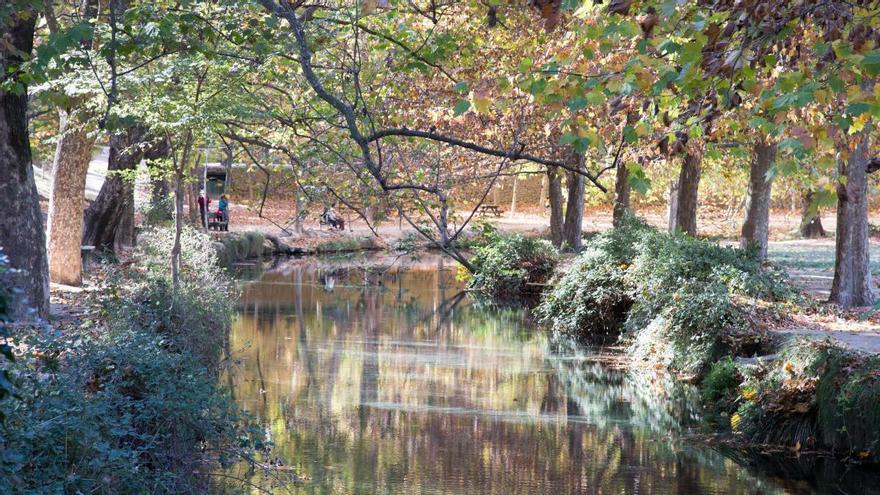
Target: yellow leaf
{"x": 735, "y": 420}
{"x": 481, "y": 104}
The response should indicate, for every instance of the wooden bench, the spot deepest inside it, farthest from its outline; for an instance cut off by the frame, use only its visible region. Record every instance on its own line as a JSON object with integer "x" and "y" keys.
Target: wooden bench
{"x": 219, "y": 225}
{"x": 493, "y": 209}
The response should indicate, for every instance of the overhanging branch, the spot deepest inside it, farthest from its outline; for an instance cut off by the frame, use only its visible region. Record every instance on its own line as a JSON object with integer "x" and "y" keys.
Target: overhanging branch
{"x": 513, "y": 154}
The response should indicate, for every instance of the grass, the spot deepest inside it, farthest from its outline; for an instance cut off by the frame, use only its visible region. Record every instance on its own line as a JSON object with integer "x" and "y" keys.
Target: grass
{"x": 811, "y": 255}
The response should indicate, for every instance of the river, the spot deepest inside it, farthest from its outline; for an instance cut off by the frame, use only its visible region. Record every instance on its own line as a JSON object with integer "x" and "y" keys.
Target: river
{"x": 378, "y": 379}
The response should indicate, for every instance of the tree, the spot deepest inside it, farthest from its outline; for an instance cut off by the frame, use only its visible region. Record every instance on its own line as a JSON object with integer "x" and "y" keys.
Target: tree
{"x": 67, "y": 197}
{"x": 112, "y": 211}
{"x": 756, "y": 228}
{"x": 853, "y": 284}
{"x": 70, "y": 165}
{"x": 686, "y": 200}
{"x": 21, "y": 232}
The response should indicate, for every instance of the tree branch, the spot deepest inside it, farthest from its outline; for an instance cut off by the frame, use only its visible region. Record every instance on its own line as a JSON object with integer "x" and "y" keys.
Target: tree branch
{"x": 513, "y": 154}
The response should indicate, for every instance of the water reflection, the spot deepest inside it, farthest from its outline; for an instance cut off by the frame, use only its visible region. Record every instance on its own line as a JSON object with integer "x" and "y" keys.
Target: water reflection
{"x": 405, "y": 386}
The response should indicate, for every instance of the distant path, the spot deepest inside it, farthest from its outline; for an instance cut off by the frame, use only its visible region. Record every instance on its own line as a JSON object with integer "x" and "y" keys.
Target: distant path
{"x": 95, "y": 178}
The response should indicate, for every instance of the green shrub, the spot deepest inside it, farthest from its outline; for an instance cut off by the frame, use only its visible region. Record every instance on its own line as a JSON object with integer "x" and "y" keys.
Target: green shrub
{"x": 689, "y": 333}
{"x": 513, "y": 265}
{"x": 718, "y": 390}
{"x": 114, "y": 414}
{"x": 681, "y": 302}
{"x": 129, "y": 403}
{"x": 590, "y": 299}
{"x": 664, "y": 262}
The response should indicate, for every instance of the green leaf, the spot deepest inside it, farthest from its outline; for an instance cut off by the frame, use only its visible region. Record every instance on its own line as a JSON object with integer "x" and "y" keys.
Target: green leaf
{"x": 461, "y": 87}
{"x": 858, "y": 108}
{"x": 871, "y": 62}
{"x": 525, "y": 64}
{"x": 461, "y": 107}
{"x": 567, "y": 139}
{"x": 577, "y": 103}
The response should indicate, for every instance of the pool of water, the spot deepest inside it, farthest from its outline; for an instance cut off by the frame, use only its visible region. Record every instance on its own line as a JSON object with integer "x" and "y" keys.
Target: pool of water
{"x": 370, "y": 379}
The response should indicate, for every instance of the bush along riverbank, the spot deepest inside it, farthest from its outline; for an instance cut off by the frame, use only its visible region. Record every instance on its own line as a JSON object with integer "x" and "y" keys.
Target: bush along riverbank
{"x": 699, "y": 310}
{"x": 124, "y": 397}
{"x": 512, "y": 266}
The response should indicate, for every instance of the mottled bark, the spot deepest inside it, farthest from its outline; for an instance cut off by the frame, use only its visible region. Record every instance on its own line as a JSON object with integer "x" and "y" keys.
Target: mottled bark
{"x": 64, "y": 231}
{"x": 574, "y": 208}
{"x": 21, "y": 225}
{"x": 672, "y": 205}
{"x": 621, "y": 193}
{"x": 852, "y": 285}
{"x": 811, "y": 219}
{"x": 756, "y": 228}
{"x": 688, "y": 185}
{"x": 109, "y": 220}
{"x": 555, "y": 197}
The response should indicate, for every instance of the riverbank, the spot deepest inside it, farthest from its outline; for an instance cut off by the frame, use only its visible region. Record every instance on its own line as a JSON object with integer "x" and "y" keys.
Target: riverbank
{"x": 707, "y": 313}
{"x": 119, "y": 391}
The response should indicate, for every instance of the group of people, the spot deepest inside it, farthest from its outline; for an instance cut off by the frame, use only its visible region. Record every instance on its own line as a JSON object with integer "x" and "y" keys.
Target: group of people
{"x": 222, "y": 212}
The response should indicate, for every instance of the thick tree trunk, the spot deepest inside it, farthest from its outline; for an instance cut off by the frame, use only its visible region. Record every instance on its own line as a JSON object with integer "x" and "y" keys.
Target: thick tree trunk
{"x": 160, "y": 189}
{"x": 21, "y": 224}
{"x": 852, "y": 285}
{"x": 109, "y": 219}
{"x": 64, "y": 231}
{"x": 555, "y": 197}
{"x": 621, "y": 193}
{"x": 811, "y": 219}
{"x": 574, "y": 208}
{"x": 756, "y": 228}
{"x": 686, "y": 203}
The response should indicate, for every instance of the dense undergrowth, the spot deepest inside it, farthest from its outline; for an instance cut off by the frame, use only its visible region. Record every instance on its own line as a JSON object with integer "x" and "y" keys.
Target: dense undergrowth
{"x": 678, "y": 302}
{"x": 125, "y": 400}
{"x": 693, "y": 307}
{"x": 512, "y": 266}
{"x": 814, "y": 396}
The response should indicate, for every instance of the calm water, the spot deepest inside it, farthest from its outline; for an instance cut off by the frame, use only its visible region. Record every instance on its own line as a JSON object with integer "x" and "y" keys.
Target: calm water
{"x": 395, "y": 382}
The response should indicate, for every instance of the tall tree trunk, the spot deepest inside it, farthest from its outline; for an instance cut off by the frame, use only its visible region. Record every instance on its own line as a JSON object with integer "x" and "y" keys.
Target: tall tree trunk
{"x": 555, "y": 197}
{"x": 621, "y": 193}
{"x": 21, "y": 224}
{"x": 513, "y": 196}
{"x": 178, "y": 227}
{"x": 756, "y": 228}
{"x": 544, "y": 200}
{"x": 852, "y": 285}
{"x": 67, "y": 197}
{"x": 110, "y": 218}
{"x": 811, "y": 219}
{"x": 574, "y": 208}
{"x": 160, "y": 188}
{"x": 688, "y": 184}
{"x": 672, "y": 205}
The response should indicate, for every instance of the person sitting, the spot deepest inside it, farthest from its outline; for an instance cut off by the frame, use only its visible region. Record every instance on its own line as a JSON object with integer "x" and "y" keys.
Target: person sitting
{"x": 329, "y": 217}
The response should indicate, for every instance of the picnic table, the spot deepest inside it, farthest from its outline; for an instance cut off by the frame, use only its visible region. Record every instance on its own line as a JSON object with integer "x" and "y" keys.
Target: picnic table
{"x": 493, "y": 209}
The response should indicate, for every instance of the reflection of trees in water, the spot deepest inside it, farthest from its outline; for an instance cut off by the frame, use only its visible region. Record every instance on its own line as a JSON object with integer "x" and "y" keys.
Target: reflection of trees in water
{"x": 399, "y": 390}
{"x": 605, "y": 396}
